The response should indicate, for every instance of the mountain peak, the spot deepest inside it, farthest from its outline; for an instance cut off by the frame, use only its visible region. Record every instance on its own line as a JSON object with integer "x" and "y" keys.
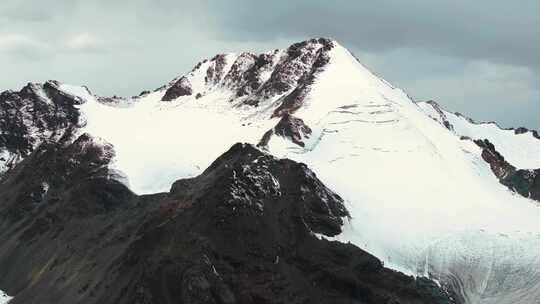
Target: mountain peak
{"x": 396, "y": 166}
{"x": 251, "y": 78}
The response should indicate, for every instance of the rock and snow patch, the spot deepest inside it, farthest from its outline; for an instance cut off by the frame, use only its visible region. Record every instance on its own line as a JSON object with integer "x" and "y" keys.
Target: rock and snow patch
{"x": 520, "y": 147}
{"x": 7, "y": 160}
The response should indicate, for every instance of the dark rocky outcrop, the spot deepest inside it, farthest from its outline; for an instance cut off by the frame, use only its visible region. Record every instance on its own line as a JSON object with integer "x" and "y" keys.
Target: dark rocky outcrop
{"x": 253, "y": 78}
{"x": 215, "y": 72}
{"x": 182, "y": 87}
{"x": 522, "y": 130}
{"x": 36, "y": 114}
{"x": 500, "y": 167}
{"x": 302, "y": 60}
{"x": 241, "y": 232}
{"x": 293, "y": 101}
{"x": 526, "y": 182}
{"x": 289, "y": 127}
{"x": 442, "y": 114}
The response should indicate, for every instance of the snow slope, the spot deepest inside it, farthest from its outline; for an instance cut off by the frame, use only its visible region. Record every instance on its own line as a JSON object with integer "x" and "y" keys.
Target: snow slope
{"x": 521, "y": 150}
{"x": 416, "y": 189}
{"x": 421, "y": 199}
{"x": 158, "y": 143}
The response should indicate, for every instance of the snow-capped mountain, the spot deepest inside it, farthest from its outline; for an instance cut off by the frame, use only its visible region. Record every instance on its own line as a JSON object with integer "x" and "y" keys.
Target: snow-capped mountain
{"x": 423, "y": 188}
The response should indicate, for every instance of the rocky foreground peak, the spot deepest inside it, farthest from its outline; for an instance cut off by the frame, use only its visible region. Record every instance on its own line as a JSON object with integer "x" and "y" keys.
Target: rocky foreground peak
{"x": 244, "y": 231}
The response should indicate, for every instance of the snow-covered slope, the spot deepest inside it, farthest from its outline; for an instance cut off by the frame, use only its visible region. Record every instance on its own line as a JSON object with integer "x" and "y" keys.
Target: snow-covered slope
{"x": 421, "y": 199}
{"x": 521, "y": 147}
{"x": 227, "y": 99}
{"x": 416, "y": 190}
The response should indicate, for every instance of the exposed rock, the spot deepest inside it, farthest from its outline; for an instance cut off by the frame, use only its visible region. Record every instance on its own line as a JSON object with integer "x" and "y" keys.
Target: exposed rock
{"x": 60, "y": 97}
{"x": 253, "y": 77}
{"x": 241, "y": 232}
{"x": 37, "y": 113}
{"x": 302, "y": 60}
{"x": 215, "y": 72}
{"x": 114, "y": 101}
{"x": 442, "y": 115}
{"x": 236, "y": 78}
{"x": 182, "y": 87}
{"x": 293, "y": 101}
{"x": 522, "y": 130}
{"x": 289, "y": 127}
{"x": 526, "y": 182}
{"x": 500, "y": 167}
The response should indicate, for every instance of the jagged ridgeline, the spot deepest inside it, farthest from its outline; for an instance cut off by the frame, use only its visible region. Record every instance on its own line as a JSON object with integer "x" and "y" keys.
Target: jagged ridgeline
{"x": 111, "y": 199}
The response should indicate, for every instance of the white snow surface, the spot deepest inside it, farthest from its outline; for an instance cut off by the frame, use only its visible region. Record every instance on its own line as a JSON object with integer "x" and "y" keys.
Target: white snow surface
{"x": 521, "y": 150}
{"x": 421, "y": 199}
{"x": 4, "y": 298}
{"x": 157, "y": 143}
{"x": 5, "y": 159}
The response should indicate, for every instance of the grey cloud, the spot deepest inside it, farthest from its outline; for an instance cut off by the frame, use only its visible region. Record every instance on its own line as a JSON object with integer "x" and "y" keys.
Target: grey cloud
{"x": 503, "y": 31}
{"x": 483, "y": 90}
{"x": 23, "y": 47}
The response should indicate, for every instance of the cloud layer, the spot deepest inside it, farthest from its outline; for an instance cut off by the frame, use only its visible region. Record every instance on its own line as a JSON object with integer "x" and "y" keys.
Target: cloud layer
{"x": 480, "y": 58}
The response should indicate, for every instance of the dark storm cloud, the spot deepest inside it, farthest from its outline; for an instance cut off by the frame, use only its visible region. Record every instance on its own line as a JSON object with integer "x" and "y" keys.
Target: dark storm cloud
{"x": 478, "y": 57}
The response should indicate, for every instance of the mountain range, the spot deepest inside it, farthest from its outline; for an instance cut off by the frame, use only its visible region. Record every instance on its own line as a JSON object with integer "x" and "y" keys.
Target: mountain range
{"x": 291, "y": 176}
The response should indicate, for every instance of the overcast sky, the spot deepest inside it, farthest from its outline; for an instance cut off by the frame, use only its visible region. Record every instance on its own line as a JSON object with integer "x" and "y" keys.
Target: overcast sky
{"x": 478, "y": 57}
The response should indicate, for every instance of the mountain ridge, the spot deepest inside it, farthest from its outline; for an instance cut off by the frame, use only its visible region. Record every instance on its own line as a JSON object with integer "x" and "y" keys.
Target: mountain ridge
{"x": 395, "y": 163}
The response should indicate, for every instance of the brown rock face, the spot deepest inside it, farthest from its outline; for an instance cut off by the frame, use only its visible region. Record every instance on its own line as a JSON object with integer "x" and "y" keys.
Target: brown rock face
{"x": 35, "y": 114}
{"x": 526, "y": 182}
{"x": 500, "y": 167}
{"x": 441, "y": 113}
{"x": 253, "y": 78}
{"x": 180, "y": 88}
{"x": 522, "y": 130}
{"x": 293, "y": 101}
{"x": 290, "y": 127}
{"x": 215, "y": 72}
{"x": 300, "y": 62}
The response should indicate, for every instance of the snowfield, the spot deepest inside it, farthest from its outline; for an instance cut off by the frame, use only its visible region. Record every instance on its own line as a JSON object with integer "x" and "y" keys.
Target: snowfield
{"x": 421, "y": 199}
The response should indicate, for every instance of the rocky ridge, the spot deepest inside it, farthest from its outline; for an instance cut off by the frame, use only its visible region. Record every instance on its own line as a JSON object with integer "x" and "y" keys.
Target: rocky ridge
{"x": 524, "y": 181}
{"x": 244, "y": 231}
